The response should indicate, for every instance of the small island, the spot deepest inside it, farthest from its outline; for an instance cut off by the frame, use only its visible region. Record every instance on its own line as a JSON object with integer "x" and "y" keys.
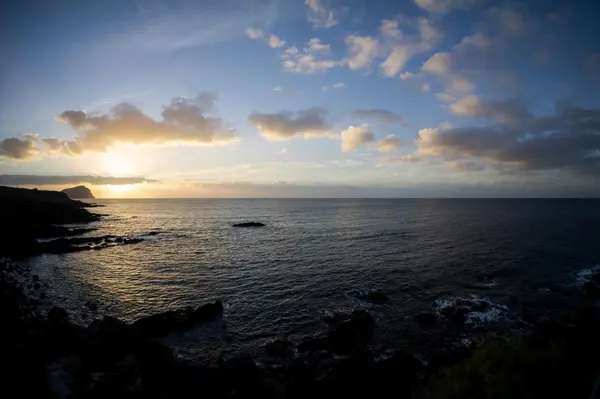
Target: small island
{"x": 79, "y": 192}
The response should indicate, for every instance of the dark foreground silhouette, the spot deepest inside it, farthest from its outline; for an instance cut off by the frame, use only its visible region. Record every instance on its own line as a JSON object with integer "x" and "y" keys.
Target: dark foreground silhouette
{"x": 48, "y": 356}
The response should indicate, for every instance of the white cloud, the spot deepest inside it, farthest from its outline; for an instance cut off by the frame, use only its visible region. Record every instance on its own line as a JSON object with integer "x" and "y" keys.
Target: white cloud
{"x": 275, "y": 42}
{"x": 339, "y": 85}
{"x": 355, "y": 136}
{"x": 402, "y": 47}
{"x": 362, "y": 51}
{"x": 320, "y": 15}
{"x": 277, "y": 89}
{"x": 315, "y": 45}
{"x": 258, "y": 34}
{"x": 425, "y": 87}
{"x": 285, "y": 125}
{"x": 184, "y": 120}
{"x": 283, "y": 151}
{"x": 389, "y": 143}
{"x": 310, "y": 60}
{"x": 444, "y": 6}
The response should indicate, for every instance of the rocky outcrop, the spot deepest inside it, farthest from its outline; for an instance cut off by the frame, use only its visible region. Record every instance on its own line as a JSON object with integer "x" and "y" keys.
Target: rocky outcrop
{"x": 30, "y": 214}
{"x": 79, "y": 192}
{"x": 249, "y": 224}
{"x": 177, "y": 320}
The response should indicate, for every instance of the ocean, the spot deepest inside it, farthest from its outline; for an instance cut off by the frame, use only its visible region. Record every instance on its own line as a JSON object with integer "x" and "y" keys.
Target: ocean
{"x": 315, "y": 258}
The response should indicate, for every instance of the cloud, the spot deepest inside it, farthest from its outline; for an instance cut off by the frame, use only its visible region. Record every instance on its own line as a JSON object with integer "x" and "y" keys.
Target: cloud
{"x": 278, "y": 89}
{"x": 315, "y": 45}
{"x": 465, "y": 166}
{"x": 395, "y": 46}
{"x": 508, "y": 21}
{"x": 355, "y": 136}
{"x": 339, "y": 85}
{"x": 442, "y": 64}
{"x": 404, "y": 47}
{"x": 568, "y": 140}
{"x": 15, "y": 148}
{"x": 389, "y": 143}
{"x": 380, "y": 115}
{"x": 286, "y": 125}
{"x": 444, "y": 6}
{"x": 310, "y": 60}
{"x": 362, "y": 51}
{"x": 505, "y": 112}
{"x": 38, "y": 180}
{"x": 258, "y": 34}
{"x": 319, "y": 15}
{"x": 184, "y": 120}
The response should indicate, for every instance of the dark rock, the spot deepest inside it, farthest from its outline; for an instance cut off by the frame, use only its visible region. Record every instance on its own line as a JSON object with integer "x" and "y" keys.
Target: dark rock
{"x": 58, "y": 315}
{"x": 92, "y": 306}
{"x": 376, "y": 296}
{"x": 426, "y": 318}
{"x": 357, "y": 330}
{"x": 36, "y": 286}
{"x": 591, "y": 290}
{"x": 279, "y": 348}
{"x": 177, "y": 320}
{"x": 35, "y": 277}
{"x": 79, "y": 192}
{"x": 113, "y": 337}
{"x": 132, "y": 240}
{"x": 249, "y": 224}
{"x": 455, "y": 314}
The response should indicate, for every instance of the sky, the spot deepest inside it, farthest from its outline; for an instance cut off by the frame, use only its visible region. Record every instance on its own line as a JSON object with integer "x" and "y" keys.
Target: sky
{"x": 302, "y": 98}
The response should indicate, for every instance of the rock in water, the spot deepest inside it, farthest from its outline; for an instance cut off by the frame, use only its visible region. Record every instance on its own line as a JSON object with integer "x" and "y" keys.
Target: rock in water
{"x": 79, "y": 192}
{"x": 177, "y": 320}
{"x": 249, "y": 224}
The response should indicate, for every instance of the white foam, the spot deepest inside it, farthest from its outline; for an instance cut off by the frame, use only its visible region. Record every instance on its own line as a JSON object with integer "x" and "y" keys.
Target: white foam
{"x": 585, "y": 275}
{"x": 494, "y": 311}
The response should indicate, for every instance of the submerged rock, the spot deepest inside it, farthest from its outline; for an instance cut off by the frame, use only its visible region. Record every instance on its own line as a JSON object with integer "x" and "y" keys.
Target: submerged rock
{"x": 426, "y": 318}
{"x": 591, "y": 290}
{"x": 177, "y": 320}
{"x": 249, "y": 224}
{"x": 354, "y": 331}
{"x": 375, "y": 296}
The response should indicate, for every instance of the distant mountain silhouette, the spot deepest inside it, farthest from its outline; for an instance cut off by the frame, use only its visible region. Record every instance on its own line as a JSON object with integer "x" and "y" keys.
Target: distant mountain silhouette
{"x": 79, "y": 192}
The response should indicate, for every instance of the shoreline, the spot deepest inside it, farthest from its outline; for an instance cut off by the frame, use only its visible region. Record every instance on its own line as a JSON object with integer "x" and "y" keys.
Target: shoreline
{"x": 53, "y": 357}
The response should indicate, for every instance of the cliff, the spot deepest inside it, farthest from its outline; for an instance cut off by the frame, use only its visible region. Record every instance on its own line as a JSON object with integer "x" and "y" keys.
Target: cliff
{"x": 79, "y": 192}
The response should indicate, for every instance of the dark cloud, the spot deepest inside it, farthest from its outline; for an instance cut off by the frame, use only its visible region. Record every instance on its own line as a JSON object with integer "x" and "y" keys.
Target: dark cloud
{"x": 15, "y": 148}
{"x": 567, "y": 141}
{"x": 380, "y": 115}
{"x": 288, "y": 125}
{"x": 37, "y": 180}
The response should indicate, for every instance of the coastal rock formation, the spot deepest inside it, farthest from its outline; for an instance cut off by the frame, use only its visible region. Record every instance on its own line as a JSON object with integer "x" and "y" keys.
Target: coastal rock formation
{"x": 177, "y": 320}
{"x": 79, "y": 192}
{"x": 30, "y": 214}
{"x": 249, "y": 224}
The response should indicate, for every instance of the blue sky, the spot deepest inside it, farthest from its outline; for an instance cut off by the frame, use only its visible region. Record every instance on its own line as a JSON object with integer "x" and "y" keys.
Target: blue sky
{"x": 302, "y": 98}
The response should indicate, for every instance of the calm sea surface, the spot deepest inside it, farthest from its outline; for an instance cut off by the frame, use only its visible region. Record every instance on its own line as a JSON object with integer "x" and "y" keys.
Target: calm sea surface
{"x": 313, "y": 255}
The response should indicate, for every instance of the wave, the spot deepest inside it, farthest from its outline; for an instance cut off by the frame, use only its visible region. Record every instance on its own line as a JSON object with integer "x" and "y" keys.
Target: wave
{"x": 477, "y": 311}
{"x": 586, "y": 275}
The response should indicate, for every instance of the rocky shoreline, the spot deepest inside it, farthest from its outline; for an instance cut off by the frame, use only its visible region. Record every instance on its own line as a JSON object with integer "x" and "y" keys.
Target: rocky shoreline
{"x": 48, "y": 355}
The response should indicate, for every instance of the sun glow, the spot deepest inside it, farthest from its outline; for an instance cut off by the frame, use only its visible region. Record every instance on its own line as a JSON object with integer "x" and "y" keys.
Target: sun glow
{"x": 118, "y": 164}
{"x": 121, "y": 189}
